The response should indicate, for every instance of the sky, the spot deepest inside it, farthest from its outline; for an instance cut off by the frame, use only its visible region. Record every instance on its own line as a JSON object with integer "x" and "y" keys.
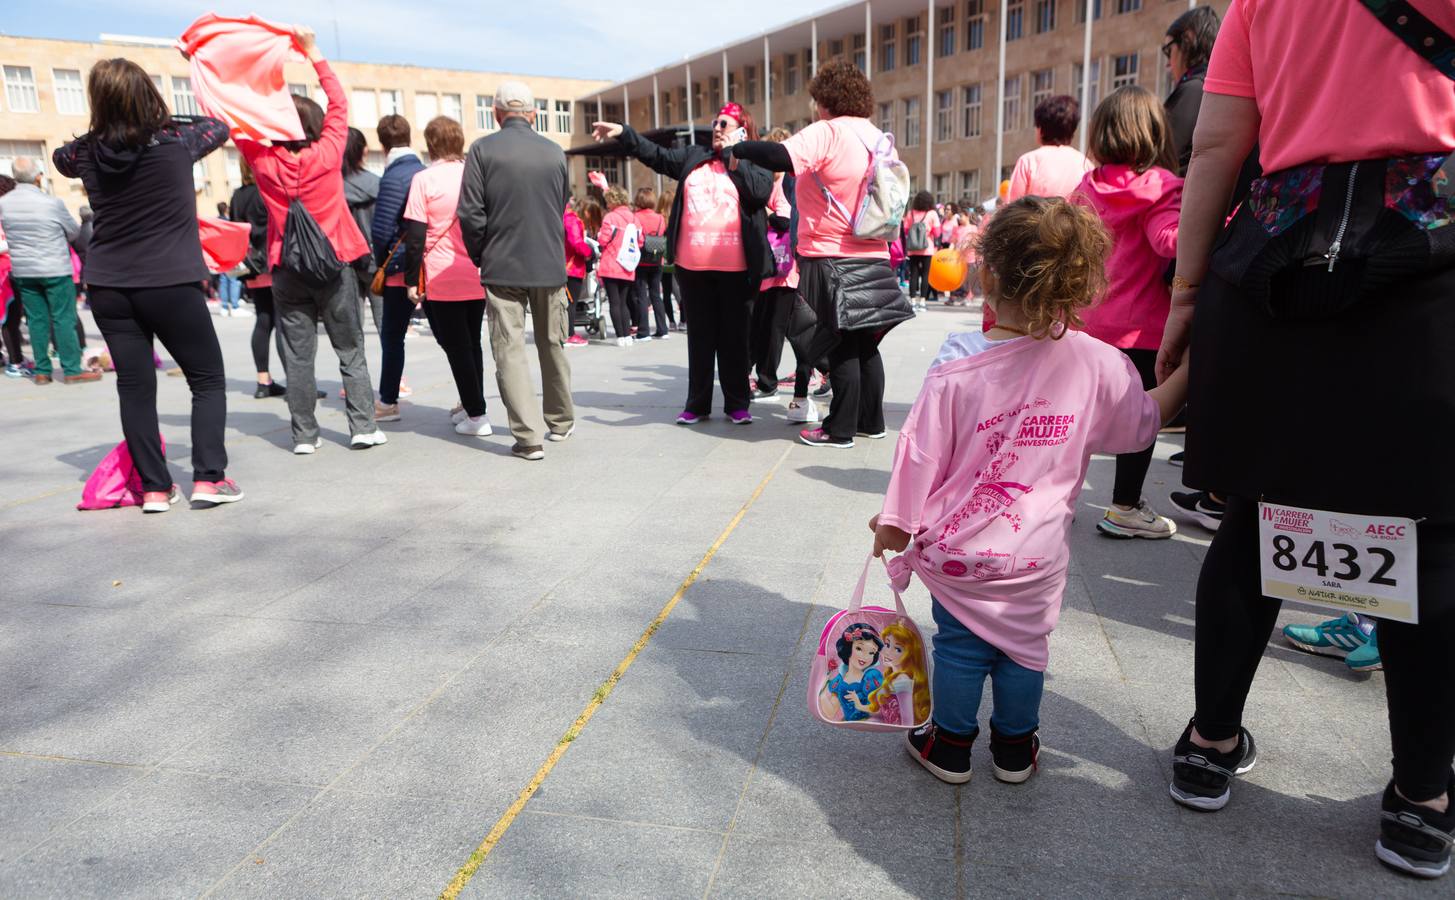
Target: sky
{"x": 608, "y": 39}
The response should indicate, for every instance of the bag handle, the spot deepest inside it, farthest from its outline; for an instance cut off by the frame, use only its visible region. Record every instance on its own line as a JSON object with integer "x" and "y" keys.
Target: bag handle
{"x": 857, "y": 600}
{"x": 1417, "y": 32}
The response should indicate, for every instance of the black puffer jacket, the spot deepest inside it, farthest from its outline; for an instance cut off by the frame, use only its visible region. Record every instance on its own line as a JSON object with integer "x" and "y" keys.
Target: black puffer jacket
{"x": 847, "y": 293}
{"x": 754, "y": 184}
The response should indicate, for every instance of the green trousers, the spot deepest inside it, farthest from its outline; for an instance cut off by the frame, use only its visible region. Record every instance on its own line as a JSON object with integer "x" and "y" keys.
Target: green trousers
{"x": 50, "y": 307}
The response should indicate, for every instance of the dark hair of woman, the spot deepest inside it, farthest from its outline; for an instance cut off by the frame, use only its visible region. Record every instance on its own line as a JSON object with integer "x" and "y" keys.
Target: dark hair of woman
{"x": 924, "y": 201}
{"x": 354, "y": 150}
{"x": 310, "y": 115}
{"x": 127, "y": 110}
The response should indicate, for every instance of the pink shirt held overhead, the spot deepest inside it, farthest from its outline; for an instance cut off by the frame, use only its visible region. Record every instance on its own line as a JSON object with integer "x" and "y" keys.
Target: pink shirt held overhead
{"x": 711, "y": 235}
{"x": 434, "y": 194}
{"x": 837, "y": 152}
{"x": 988, "y": 467}
{"x": 1343, "y": 115}
{"x": 1049, "y": 171}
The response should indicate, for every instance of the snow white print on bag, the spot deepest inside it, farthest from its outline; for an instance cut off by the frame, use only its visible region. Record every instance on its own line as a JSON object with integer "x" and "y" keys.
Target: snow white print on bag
{"x": 871, "y": 672}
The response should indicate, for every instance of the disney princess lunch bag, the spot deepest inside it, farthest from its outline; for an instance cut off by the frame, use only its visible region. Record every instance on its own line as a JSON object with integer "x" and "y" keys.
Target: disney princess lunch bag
{"x": 872, "y": 669}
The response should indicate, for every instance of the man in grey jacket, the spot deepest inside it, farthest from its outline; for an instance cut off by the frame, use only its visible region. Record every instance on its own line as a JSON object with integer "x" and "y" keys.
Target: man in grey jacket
{"x": 512, "y": 204}
{"x": 40, "y": 230}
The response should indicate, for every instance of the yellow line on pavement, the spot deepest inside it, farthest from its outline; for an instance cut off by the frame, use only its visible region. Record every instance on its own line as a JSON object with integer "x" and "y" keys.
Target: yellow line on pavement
{"x": 502, "y": 825}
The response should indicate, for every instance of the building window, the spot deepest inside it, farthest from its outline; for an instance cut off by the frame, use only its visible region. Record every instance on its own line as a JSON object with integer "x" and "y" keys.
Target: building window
{"x": 809, "y": 69}
{"x": 451, "y": 107}
{"x": 485, "y": 112}
{"x": 913, "y": 41}
{"x": 157, "y": 80}
{"x": 1124, "y": 70}
{"x": 363, "y": 108}
{"x": 697, "y": 98}
{"x": 233, "y": 164}
{"x": 1011, "y": 103}
{"x": 940, "y": 187}
{"x": 426, "y": 108}
{"x": 298, "y": 90}
{"x": 375, "y": 160}
{"x": 911, "y": 122}
{"x": 790, "y": 74}
{"x": 1094, "y": 97}
{"x": 563, "y": 116}
{"x": 974, "y": 24}
{"x": 543, "y": 116}
{"x": 750, "y": 83}
{"x": 1045, "y": 16}
{"x": 1043, "y": 83}
{"x": 70, "y": 92}
{"x": 1015, "y": 20}
{"x": 886, "y": 117}
{"x": 1081, "y": 10}
{"x": 970, "y": 186}
{"x": 1127, "y": 6}
{"x": 836, "y": 48}
{"x": 20, "y": 93}
{"x": 714, "y": 93}
{"x": 860, "y": 60}
{"x": 944, "y": 115}
{"x": 391, "y": 103}
{"x": 666, "y": 109}
{"x": 200, "y": 182}
{"x": 610, "y": 166}
{"x": 184, "y": 102}
{"x": 887, "y": 43}
{"x": 733, "y": 92}
{"x": 13, "y": 150}
{"x": 970, "y": 117}
{"x": 945, "y": 36}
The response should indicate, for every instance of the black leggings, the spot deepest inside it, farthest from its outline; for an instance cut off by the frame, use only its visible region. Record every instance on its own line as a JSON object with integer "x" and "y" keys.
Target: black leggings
{"x": 263, "y": 330}
{"x": 919, "y": 276}
{"x": 619, "y": 296}
{"x": 856, "y": 371}
{"x": 669, "y": 291}
{"x": 177, "y": 315}
{"x": 648, "y": 288}
{"x": 719, "y": 304}
{"x": 1234, "y": 621}
{"x": 573, "y": 291}
{"x": 1132, "y": 467}
{"x": 11, "y": 333}
{"x": 456, "y": 325}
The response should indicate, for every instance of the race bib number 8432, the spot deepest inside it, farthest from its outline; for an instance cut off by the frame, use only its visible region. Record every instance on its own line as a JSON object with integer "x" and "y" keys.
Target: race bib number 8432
{"x": 1343, "y": 562}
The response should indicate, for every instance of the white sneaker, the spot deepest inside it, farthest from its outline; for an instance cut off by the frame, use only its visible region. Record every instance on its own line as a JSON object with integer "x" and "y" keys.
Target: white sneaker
{"x": 1141, "y": 521}
{"x": 558, "y": 436}
{"x": 479, "y": 427}
{"x": 803, "y": 411}
{"x": 457, "y": 415}
{"x": 306, "y": 449}
{"x": 365, "y": 441}
{"x": 624, "y": 342}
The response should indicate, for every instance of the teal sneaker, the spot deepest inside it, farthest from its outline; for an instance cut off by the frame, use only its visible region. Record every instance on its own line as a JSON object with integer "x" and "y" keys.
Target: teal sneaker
{"x": 1366, "y": 658}
{"x": 1336, "y": 637}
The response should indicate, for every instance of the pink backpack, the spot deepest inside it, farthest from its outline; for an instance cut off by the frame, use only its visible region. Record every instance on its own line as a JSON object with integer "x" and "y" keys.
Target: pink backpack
{"x": 115, "y": 482}
{"x": 872, "y": 670}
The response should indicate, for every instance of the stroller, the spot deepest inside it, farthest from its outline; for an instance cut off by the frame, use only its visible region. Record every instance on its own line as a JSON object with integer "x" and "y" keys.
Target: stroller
{"x": 589, "y": 308}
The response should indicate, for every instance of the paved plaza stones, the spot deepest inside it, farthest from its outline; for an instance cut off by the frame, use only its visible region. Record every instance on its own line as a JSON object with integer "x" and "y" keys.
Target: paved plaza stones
{"x": 338, "y": 687}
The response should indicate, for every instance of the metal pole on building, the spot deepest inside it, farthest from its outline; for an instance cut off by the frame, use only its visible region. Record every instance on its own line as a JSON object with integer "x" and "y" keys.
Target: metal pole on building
{"x": 813, "y": 51}
{"x": 930, "y": 113}
{"x": 1086, "y": 76}
{"x": 868, "y": 41}
{"x": 767, "y": 86}
{"x": 1000, "y": 104}
{"x": 656, "y": 118}
{"x": 726, "y": 96}
{"x": 691, "y": 122}
{"x": 626, "y": 117}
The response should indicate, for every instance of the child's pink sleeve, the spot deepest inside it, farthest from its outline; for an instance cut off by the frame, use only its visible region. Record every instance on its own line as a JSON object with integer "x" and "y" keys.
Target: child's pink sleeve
{"x": 1127, "y": 418}
{"x": 917, "y": 470}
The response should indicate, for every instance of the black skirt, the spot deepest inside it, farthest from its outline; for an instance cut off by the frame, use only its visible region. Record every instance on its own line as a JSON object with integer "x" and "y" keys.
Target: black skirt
{"x": 1353, "y": 413}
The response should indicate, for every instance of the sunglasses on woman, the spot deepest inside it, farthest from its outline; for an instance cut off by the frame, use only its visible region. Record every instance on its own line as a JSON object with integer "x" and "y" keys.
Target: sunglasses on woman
{"x": 724, "y": 124}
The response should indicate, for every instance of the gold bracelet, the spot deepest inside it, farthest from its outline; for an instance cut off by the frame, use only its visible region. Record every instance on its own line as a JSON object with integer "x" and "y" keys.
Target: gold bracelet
{"x": 1181, "y": 284}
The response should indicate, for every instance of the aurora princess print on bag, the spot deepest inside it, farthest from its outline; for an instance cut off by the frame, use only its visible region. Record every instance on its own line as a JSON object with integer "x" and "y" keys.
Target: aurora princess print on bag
{"x": 871, "y": 671}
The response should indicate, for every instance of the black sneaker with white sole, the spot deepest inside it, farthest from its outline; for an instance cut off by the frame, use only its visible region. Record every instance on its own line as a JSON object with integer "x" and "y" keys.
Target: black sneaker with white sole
{"x": 1202, "y": 777}
{"x": 1014, "y": 758}
{"x": 1200, "y": 507}
{"x": 1177, "y": 458}
{"x": 1413, "y": 839}
{"x": 945, "y": 754}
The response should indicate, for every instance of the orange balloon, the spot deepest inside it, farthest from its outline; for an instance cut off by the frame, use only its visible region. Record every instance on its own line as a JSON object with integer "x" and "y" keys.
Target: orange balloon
{"x": 947, "y": 270}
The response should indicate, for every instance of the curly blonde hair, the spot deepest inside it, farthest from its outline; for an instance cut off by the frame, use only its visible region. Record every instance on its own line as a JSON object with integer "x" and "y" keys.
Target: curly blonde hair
{"x": 1049, "y": 259}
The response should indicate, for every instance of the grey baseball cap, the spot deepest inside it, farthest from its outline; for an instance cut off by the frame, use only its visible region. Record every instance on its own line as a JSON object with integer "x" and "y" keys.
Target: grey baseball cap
{"x": 514, "y": 96}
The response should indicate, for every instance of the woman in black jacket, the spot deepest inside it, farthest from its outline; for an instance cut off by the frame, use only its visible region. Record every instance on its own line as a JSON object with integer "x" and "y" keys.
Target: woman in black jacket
{"x": 146, "y": 269}
{"x": 717, "y": 240}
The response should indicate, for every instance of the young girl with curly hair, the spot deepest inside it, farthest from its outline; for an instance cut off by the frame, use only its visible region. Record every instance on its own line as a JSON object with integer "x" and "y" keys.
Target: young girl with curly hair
{"x": 988, "y": 468}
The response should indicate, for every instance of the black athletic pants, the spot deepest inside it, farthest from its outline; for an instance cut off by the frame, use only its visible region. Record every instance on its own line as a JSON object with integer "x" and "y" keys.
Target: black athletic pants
{"x": 263, "y": 327}
{"x": 856, "y": 371}
{"x": 919, "y": 276}
{"x": 129, "y": 318}
{"x": 648, "y": 290}
{"x": 718, "y": 304}
{"x": 1132, "y": 467}
{"x": 456, "y": 325}
{"x": 619, "y": 298}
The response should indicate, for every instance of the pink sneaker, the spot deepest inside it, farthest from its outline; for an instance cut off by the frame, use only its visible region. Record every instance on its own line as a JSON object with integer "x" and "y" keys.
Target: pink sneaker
{"x": 576, "y": 340}
{"x": 214, "y": 493}
{"x": 160, "y": 501}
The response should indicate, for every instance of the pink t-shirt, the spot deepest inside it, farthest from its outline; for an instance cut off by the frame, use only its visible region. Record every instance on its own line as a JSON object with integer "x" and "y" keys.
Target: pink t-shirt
{"x": 932, "y": 230}
{"x": 778, "y": 205}
{"x": 710, "y": 237}
{"x": 1047, "y": 172}
{"x": 832, "y": 150}
{"x": 433, "y": 196}
{"x": 1373, "y": 97}
{"x": 988, "y": 467}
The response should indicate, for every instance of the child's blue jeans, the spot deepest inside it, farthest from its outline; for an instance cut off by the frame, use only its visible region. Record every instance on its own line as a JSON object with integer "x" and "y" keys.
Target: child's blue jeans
{"x": 963, "y": 660}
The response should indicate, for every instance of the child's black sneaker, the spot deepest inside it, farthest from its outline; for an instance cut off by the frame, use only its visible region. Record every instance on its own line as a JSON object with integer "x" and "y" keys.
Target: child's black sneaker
{"x": 1014, "y": 758}
{"x": 945, "y": 754}
{"x": 1415, "y": 839}
{"x": 1202, "y": 777}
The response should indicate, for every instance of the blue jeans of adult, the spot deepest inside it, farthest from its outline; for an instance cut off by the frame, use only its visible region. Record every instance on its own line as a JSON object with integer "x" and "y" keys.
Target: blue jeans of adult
{"x": 397, "y": 312}
{"x": 229, "y": 289}
{"x": 963, "y": 660}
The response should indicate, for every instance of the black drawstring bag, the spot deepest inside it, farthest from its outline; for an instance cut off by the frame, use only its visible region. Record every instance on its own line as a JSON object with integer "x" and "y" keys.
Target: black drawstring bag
{"x": 307, "y": 252}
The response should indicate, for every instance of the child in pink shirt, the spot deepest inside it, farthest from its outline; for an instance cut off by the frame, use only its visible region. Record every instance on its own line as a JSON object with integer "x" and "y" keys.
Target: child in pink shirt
{"x": 615, "y": 227}
{"x": 989, "y": 464}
